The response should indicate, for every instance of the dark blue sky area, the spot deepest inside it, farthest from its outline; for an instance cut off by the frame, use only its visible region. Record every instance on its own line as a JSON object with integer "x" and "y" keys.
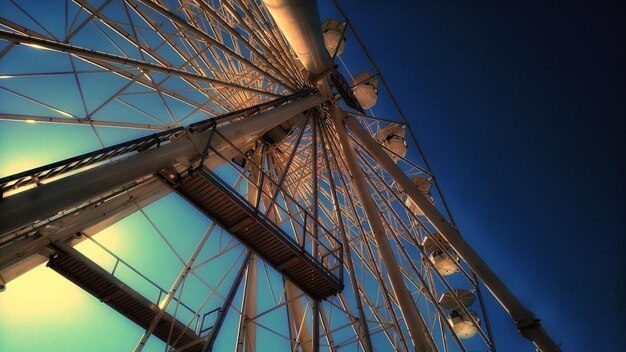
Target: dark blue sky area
{"x": 520, "y": 109}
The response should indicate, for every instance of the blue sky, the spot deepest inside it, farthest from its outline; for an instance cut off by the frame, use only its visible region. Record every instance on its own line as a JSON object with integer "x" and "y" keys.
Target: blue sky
{"x": 520, "y": 109}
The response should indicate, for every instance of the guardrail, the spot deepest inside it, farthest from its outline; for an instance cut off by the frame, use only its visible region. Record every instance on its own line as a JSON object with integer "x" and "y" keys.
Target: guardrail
{"x": 297, "y": 223}
{"x": 199, "y": 319}
{"x": 37, "y": 176}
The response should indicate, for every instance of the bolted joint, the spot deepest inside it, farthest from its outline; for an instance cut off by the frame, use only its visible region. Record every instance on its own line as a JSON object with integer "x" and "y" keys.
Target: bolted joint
{"x": 531, "y": 328}
{"x": 527, "y": 327}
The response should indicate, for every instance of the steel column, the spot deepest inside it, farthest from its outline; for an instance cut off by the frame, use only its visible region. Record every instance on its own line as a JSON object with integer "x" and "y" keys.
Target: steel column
{"x": 300, "y": 22}
{"x": 39, "y": 203}
{"x": 22, "y": 255}
{"x": 170, "y": 295}
{"x": 297, "y": 325}
{"x": 527, "y": 324}
{"x": 422, "y": 340}
{"x": 363, "y": 331}
{"x": 221, "y": 315}
{"x": 316, "y": 303}
{"x": 246, "y": 339}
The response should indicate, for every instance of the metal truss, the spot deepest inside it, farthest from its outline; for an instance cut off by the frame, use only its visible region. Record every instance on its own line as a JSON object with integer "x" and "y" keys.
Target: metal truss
{"x": 193, "y": 85}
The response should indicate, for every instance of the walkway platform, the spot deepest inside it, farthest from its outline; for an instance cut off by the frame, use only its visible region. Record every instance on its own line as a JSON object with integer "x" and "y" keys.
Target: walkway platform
{"x": 231, "y": 211}
{"x": 92, "y": 278}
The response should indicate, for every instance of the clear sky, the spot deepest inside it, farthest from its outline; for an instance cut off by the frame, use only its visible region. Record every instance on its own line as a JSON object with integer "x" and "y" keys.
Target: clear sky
{"x": 520, "y": 109}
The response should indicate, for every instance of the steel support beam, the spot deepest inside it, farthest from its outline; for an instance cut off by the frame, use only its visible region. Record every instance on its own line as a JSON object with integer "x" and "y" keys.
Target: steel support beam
{"x": 21, "y": 255}
{"x": 298, "y": 326}
{"x": 44, "y": 201}
{"x": 81, "y": 121}
{"x": 528, "y": 325}
{"x": 363, "y": 330}
{"x": 316, "y": 303}
{"x": 97, "y": 55}
{"x": 422, "y": 340}
{"x": 172, "y": 292}
{"x": 221, "y": 315}
{"x": 300, "y": 22}
{"x": 246, "y": 339}
{"x": 315, "y": 317}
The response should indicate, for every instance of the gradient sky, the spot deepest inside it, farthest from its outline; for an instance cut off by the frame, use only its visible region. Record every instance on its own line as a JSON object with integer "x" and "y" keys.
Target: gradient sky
{"x": 520, "y": 110}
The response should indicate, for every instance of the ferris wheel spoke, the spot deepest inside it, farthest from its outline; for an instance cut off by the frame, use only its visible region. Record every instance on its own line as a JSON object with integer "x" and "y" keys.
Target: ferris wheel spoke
{"x": 7, "y": 75}
{"x": 38, "y": 102}
{"x": 425, "y": 224}
{"x": 374, "y": 271}
{"x": 238, "y": 38}
{"x": 407, "y": 258}
{"x": 78, "y": 86}
{"x": 358, "y": 324}
{"x": 262, "y": 33}
{"x": 328, "y": 332}
{"x": 268, "y": 27}
{"x": 142, "y": 80}
{"x": 221, "y": 71}
{"x": 228, "y": 65}
{"x": 393, "y": 233}
{"x": 111, "y": 67}
{"x": 93, "y": 13}
{"x": 362, "y": 331}
{"x": 140, "y": 110}
{"x": 386, "y": 325}
{"x": 157, "y": 87}
{"x": 80, "y": 121}
{"x": 168, "y": 38}
{"x": 91, "y": 54}
{"x": 178, "y": 282}
{"x": 162, "y": 10}
{"x": 36, "y": 21}
{"x": 295, "y": 185}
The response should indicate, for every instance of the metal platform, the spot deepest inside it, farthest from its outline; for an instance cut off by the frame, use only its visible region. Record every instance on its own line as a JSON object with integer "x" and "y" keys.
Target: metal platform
{"x": 107, "y": 288}
{"x": 231, "y": 211}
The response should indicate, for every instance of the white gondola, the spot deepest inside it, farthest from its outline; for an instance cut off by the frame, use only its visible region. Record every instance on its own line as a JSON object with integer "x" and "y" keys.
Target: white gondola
{"x": 435, "y": 242}
{"x": 366, "y": 89}
{"x": 445, "y": 262}
{"x": 393, "y": 138}
{"x": 443, "y": 257}
{"x": 423, "y": 183}
{"x": 462, "y": 324}
{"x": 451, "y": 299}
{"x": 333, "y": 39}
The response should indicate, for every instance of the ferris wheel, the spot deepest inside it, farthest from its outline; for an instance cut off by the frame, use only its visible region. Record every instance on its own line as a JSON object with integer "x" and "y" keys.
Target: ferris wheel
{"x": 230, "y": 175}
